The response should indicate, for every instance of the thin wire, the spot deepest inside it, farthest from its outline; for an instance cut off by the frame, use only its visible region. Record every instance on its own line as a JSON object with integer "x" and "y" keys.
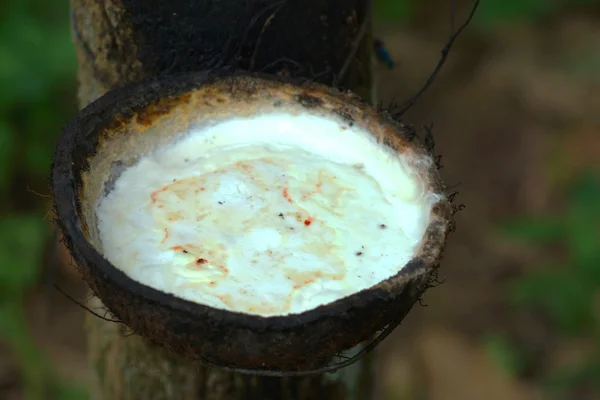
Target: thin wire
{"x": 445, "y": 51}
{"x": 68, "y": 296}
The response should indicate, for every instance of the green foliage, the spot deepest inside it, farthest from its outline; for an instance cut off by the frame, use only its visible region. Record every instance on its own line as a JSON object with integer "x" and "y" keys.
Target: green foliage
{"x": 491, "y": 13}
{"x": 40, "y": 381}
{"x": 7, "y": 147}
{"x": 569, "y": 290}
{"x": 504, "y": 354}
{"x": 14, "y": 329}
{"x": 393, "y": 10}
{"x": 21, "y": 242}
{"x": 582, "y": 374}
{"x": 36, "y": 53}
{"x": 37, "y": 67}
{"x": 37, "y": 70}
{"x": 540, "y": 229}
{"x": 564, "y": 294}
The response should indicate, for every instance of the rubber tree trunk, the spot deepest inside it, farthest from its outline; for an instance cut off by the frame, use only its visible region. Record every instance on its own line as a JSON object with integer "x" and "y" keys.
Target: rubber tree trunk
{"x": 120, "y": 41}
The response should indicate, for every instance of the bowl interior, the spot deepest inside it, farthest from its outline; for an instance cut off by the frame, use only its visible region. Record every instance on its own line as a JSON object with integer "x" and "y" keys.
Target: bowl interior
{"x": 122, "y": 141}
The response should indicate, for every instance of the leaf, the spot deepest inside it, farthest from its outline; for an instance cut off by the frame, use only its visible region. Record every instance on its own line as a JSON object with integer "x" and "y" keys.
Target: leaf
{"x": 565, "y": 295}
{"x": 65, "y": 391}
{"x": 21, "y": 244}
{"x": 587, "y": 372}
{"x": 42, "y": 127}
{"x": 38, "y": 158}
{"x": 394, "y": 10}
{"x": 504, "y": 354}
{"x": 493, "y": 11}
{"x": 34, "y": 368}
{"x": 540, "y": 230}
{"x": 583, "y": 222}
{"x": 35, "y": 55}
{"x": 586, "y": 193}
{"x": 7, "y": 145}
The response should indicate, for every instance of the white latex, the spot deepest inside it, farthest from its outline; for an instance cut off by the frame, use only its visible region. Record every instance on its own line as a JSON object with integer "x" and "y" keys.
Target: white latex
{"x": 270, "y": 215}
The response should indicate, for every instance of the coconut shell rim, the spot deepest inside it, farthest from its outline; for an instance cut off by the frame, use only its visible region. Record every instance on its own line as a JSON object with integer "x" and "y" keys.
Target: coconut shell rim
{"x": 67, "y": 216}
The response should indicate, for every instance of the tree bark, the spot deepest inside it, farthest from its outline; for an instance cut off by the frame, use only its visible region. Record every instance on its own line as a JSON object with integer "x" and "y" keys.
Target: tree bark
{"x": 121, "y": 41}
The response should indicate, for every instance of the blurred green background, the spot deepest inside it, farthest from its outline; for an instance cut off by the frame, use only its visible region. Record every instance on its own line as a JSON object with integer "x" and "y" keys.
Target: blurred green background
{"x": 37, "y": 91}
{"x": 519, "y": 100}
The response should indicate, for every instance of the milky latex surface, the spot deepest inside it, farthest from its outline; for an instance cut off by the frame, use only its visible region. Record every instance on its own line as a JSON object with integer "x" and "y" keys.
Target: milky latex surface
{"x": 269, "y": 215}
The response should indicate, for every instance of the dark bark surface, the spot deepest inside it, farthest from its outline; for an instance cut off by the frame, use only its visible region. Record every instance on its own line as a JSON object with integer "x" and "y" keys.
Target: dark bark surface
{"x": 121, "y": 41}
